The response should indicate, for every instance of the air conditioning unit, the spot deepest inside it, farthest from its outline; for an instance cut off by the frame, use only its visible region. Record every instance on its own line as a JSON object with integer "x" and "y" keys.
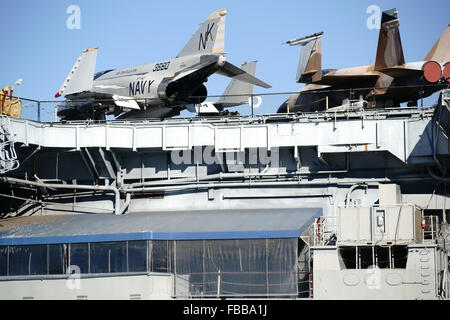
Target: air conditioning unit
{"x": 379, "y": 225}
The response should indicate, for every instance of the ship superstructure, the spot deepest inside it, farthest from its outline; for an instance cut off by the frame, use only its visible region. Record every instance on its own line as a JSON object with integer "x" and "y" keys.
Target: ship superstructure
{"x": 343, "y": 204}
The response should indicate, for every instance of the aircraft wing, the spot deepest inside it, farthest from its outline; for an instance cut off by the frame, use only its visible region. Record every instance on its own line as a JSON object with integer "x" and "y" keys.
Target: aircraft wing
{"x": 126, "y": 103}
{"x": 357, "y": 80}
{"x": 230, "y": 70}
{"x": 399, "y": 72}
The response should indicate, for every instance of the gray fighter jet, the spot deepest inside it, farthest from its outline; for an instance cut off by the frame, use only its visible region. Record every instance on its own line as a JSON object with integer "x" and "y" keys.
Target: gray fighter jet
{"x": 158, "y": 90}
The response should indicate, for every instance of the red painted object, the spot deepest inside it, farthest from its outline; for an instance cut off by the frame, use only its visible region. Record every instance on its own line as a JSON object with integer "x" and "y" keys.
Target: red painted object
{"x": 432, "y": 71}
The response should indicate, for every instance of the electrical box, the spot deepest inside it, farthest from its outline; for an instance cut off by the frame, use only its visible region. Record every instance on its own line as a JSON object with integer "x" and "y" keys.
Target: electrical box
{"x": 380, "y": 225}
{"x": 389, "y": 194}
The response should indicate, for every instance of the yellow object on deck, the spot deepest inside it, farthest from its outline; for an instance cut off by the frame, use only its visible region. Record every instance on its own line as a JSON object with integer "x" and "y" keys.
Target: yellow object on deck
{"x": 10, "y": 106}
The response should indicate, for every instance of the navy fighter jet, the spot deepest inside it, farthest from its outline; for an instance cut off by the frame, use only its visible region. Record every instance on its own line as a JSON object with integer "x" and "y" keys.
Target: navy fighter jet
{"x": 387, "y": 83}
{"x": 160, "y": 89}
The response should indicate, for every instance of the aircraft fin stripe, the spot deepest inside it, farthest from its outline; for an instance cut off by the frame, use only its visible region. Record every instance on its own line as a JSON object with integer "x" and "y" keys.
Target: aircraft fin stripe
{"x": 204, "y": 40}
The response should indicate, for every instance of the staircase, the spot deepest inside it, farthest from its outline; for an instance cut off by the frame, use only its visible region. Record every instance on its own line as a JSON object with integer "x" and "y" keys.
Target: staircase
{"x": 8, "y": 156}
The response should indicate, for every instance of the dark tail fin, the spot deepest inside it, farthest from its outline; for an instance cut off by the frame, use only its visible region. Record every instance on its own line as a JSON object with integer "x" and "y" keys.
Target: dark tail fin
{"x": 310, "y": 63}
{"x": 389, "y": 51}
{"x": 441, "y": 49}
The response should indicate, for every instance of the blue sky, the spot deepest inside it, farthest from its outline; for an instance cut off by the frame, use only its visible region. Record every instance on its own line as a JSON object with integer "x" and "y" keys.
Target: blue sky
{"x": 38, "y": 47}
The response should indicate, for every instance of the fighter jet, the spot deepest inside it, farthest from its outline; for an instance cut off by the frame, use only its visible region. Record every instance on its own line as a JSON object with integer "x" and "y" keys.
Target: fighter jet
{"x": 236, "y": 93}
{"x": 160, "y": 89}
{"x": 387, "y": 83}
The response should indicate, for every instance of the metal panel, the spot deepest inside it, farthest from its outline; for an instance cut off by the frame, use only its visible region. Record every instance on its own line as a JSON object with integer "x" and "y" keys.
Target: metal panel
{"x": 363, "y": 132}
{"x": 185, "y": 225}
{"x": 354, "y": 225}
{"x": 176, "y": 137}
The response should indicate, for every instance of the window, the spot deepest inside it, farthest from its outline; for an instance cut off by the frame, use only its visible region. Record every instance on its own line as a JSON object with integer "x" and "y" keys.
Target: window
{"x": 160, "y": 258}
{"x": 4, "y": 261}
{"x": 240, "y": 267}
{"x": 399, "y": 256}
{"x": 108, "y": 257}
{"x": 348, "y": 257}
{"x": 56, "y": 258}
{"x": 27, "y": 260}
{"x": 79, "y": 256}
{"x": 137, "y": 256}
{"x": 364, "y": 257}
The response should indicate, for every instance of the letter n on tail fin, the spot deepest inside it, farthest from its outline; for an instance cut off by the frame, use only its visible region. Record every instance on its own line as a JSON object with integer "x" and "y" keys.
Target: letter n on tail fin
{"x": 389, "y": 51}
{"x": 209, "y": 38}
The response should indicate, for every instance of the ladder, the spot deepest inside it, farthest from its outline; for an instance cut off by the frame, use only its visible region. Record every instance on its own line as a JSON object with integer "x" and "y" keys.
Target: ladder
{"x": 8, "y": 155}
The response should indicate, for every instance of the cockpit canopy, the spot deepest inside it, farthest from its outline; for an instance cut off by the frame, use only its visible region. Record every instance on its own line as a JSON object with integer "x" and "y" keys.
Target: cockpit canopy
{"x": 99, "y": 74}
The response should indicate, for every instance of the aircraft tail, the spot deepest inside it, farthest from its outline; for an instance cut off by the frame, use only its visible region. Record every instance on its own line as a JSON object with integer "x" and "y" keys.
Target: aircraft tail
{"x": 238, "y": 92}
{"x": 389, "y": 50}
{"x": 310, "y": 63}
{"x": 441, "y": 49}
{"x": 209, "y": 38}
{"x": 81, "y": 77}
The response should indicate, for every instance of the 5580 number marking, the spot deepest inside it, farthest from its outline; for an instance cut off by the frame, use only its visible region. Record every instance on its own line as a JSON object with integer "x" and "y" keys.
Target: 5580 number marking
{"x": 161, "y": 66}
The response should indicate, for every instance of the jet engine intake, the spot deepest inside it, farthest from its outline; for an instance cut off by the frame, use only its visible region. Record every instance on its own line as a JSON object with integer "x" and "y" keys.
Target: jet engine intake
{"x": 446, "y": 72}
{"x": 432, "y": 71}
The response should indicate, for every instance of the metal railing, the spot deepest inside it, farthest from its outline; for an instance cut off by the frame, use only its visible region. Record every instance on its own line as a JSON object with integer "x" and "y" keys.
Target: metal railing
{"x": 272, "y": 99}
{"x": 252, "y": 284}
{"x": 430, "y": 227}
{"x": 322, "y": 232}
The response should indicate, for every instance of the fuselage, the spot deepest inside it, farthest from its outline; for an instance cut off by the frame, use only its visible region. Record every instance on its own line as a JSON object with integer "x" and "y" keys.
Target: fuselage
{"x": 145, "y": 83}
{"x": 380, "y": 88}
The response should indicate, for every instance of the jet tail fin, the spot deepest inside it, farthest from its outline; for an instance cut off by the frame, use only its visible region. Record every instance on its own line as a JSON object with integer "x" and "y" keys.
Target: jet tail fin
{"x": 238, "y": 92}
{"x": 209, "y": 38}
{"x": 310, "y": 63}
{"x": 81, "y": 77}
{"x": 389, "y": 50}
{"x": 441, "y": 49}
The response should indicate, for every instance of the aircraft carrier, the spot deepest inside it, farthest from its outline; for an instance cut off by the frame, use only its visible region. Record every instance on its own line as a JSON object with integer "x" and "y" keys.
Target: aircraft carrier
{"x": 330, "y": 198}
{"x": 344, "y": 204}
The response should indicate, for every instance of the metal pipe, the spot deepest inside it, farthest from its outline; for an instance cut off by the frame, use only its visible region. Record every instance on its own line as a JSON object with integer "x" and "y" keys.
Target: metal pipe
{"x": 253, "y": 183}
{"x": 221, "y": 176}
{"x": 125, "y": 205}
{"x": 116, "y": 191}
{"x": 242, "y": 184}
{"x": 353, "y": 187}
